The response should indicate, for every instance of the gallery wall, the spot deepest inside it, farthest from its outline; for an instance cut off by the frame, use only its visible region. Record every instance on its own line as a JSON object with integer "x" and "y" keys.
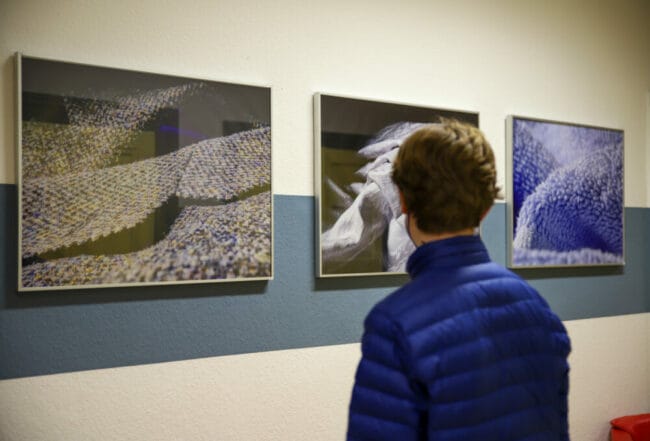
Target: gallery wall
{"x": 275, "y": 360}
{"x": 647, "y": 127}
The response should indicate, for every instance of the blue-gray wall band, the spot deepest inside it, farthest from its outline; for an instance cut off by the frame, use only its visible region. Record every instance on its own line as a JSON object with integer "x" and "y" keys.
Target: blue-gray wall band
{"x": 63, "y": 331}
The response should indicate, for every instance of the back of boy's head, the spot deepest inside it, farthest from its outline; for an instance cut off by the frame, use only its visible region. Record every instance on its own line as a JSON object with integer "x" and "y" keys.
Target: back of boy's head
{"x": 447, "y": 175}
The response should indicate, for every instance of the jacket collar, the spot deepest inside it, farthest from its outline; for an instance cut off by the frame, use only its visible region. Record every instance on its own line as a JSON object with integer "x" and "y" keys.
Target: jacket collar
{"x": 455, "y": 251}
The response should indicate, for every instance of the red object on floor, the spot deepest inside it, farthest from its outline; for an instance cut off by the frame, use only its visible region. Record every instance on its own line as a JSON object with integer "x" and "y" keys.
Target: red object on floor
{"x": 631, "y": 428}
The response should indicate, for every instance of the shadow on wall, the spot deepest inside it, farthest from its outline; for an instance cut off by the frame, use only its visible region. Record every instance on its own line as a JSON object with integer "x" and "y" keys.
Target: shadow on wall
{"x": 560, "y": 273}
{"x": 360, "y": 282}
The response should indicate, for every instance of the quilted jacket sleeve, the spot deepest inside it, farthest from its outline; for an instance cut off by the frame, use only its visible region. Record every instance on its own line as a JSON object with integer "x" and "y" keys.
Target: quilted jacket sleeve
{"x": 386, "y": 404}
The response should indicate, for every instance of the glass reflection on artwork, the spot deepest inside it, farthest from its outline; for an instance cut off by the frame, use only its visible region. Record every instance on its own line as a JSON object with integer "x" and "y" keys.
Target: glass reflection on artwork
{"x": 136, "y": 178}
{"x": 567, "y": 194}
{"x": 362, "y": 228}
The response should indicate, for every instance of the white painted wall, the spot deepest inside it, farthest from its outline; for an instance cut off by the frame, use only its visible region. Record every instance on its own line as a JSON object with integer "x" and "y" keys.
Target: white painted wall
{"x": 288, "y": 395}
{"x": 609, "y": 377}
{"x": 579, "y": 61}
{"x": 271, "y": 396}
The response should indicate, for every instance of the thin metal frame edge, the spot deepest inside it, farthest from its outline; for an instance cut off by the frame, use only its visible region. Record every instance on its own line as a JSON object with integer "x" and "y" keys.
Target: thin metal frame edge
{"x": 318, "y": 176}
{"x": 510, "y": 194}
{"x": 20, "y": 288}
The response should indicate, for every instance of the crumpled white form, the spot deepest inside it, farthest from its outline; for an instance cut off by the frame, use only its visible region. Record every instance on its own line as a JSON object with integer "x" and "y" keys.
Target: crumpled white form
{"x": 375, "y": 210}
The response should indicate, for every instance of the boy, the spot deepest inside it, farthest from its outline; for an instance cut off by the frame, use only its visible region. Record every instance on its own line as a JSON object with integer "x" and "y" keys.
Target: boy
{"x": 466, "y": 350}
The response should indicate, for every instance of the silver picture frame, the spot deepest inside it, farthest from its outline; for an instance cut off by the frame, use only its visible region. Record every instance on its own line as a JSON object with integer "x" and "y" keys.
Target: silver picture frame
{"x": 564, "y": 194}
{"x": 129, "y": 178}
{"x": 355, "y": 138}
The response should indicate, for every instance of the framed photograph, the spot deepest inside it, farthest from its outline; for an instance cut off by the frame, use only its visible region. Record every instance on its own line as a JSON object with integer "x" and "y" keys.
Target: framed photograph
{"x": 565, "y": 194}
{"x": 360, "y": 227}
{"x": 129, "y": 178}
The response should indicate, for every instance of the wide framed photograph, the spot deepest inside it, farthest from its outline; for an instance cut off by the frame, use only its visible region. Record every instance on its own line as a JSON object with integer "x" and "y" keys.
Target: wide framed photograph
{"x": 565, "y": 194}
{"x": 360, "y": 228}
{"x": 129, "y": 178}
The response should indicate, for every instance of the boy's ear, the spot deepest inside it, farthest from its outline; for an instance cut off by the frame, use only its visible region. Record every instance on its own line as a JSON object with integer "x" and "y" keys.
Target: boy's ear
{"x": 402, "y": 202}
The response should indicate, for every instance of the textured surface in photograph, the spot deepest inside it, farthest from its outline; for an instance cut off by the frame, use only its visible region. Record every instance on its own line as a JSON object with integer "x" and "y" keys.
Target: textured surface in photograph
{"x": 138, "y": 178}
{"x": 362, "y": 228}
{"x": 567, "y": 194}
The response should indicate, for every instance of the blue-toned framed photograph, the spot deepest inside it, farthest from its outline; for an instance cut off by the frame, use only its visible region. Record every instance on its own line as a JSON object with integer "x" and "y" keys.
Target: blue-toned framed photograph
{"x": 565, "y": 194}
{"x": 130, "y": 178}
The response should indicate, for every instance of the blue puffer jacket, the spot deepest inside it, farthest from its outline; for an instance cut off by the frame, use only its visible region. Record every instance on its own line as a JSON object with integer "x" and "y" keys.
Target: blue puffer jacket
{"x": 466, "y": 351}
